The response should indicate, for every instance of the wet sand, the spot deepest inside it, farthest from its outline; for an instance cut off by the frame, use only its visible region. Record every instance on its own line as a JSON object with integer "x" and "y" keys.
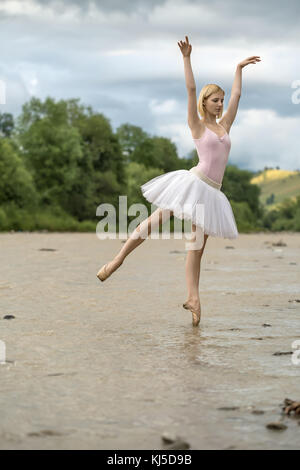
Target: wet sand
{"x": 114, "y": 365}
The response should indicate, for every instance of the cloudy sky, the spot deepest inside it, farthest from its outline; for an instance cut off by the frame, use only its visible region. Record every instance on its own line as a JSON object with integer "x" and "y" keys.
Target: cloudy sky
{"x": 122, "y": 58}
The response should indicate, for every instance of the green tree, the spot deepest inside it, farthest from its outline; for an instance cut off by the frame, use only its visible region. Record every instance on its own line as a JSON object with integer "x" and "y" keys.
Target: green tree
{"x": 286, "y": 216}
{"x": 18, "y": 196}
{"x": 237, "y": 187}
{"x": 270, "y": 199}
{"x": 157, "y": 152}
{"x": 6, "y": 124}
{"x": 75, "y": 158}
{"x": 152, "y": 152}
{"x": 191, "y": 160}
{"x": 130, "y": 137}
{"x": 52, "y": 153}
{"x": 137, "y": 174}
{"x": 16, "y": 182}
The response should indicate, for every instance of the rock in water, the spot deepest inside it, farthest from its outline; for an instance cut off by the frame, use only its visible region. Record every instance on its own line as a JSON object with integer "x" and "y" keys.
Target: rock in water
{"x": 276, "y": 426}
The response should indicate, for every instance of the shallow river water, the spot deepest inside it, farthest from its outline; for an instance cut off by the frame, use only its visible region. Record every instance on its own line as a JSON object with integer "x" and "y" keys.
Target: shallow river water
{"x": 114, "y": 365}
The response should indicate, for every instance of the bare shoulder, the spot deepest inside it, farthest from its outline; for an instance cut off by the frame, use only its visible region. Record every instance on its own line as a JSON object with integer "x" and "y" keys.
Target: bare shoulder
{"x": 225, "y": 124}
{"x": 197, "y": 129}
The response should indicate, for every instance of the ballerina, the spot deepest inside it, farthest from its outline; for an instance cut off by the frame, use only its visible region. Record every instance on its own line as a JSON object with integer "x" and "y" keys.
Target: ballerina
{"x": 180, "y": 192}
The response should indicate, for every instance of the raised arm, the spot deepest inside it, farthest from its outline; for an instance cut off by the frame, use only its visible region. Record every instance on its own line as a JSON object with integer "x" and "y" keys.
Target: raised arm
{"x": 193, "y": 117}
{"x": 236, "y": 91}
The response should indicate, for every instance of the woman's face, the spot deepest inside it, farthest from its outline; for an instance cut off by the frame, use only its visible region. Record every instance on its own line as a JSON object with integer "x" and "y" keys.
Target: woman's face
{"x": 214, "y": 103}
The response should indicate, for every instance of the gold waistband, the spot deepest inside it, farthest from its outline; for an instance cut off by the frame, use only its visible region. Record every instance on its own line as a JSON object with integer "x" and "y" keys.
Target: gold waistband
{"x": 205, "y": 178}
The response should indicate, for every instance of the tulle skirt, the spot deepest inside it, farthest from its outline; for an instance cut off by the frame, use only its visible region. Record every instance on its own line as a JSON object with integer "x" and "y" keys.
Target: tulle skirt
{"x": 191, "y": 195}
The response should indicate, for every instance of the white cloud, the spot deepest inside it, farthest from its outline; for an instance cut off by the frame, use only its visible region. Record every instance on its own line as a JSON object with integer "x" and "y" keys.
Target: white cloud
{"x": 119, "y": 52}
{"x": 126, "y": 63}
{"x": 33, "y": 9}
{"x": 259, "y": 138}
{"x": 263, "y": 138}
{"x": 29, "y": 78}
{"x": 180, "y": 135}
{"x": 18, "y": 7}
{"x": 162, "y": 107}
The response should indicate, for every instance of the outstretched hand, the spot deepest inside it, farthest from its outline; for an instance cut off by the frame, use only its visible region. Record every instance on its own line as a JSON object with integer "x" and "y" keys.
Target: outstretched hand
{"x": 185, "y": 47}
{"x": 250, "y": 60}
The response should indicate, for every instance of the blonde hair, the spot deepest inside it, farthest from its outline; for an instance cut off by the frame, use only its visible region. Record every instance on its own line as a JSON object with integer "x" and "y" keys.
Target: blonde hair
{"x": 206, "y": 91}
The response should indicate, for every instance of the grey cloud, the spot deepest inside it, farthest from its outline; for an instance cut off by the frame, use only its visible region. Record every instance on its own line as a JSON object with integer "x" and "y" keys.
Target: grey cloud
{"x": 268, "y": 10}
{"x": 258, "y": 95}
{"x": 69, "y": 58}
{"x": 107, "y": 5}
{"x": 266, "y": 19}
{"x": 234, "y": 22}
{"x": 273, "y": 14}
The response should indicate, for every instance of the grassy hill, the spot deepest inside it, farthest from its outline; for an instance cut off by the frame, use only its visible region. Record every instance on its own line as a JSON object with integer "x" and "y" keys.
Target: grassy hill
{"x": 281, "y": 183}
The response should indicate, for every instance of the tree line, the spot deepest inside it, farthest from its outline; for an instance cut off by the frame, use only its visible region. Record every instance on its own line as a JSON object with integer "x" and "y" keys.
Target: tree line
{"x": 60, "y": 160}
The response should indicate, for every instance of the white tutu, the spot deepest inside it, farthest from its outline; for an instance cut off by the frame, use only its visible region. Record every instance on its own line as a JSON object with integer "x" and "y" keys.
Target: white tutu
{"x": 180, "y": 191}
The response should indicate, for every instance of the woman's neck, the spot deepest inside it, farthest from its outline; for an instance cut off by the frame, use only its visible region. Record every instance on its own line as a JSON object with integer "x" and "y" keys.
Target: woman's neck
{"x": 211, "y": 122}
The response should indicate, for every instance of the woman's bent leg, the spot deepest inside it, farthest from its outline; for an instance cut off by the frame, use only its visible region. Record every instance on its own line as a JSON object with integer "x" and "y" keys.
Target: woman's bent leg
{"x": 158, "y": 217}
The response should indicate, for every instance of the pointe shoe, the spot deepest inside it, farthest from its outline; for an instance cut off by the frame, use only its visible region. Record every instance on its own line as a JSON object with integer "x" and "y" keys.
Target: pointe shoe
{"x": 104, "y": 272}
{"x": 195, "y": 313}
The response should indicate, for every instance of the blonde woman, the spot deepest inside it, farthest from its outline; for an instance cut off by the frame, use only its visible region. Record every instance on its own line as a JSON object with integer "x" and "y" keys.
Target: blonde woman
{"x": 180, "y": 192}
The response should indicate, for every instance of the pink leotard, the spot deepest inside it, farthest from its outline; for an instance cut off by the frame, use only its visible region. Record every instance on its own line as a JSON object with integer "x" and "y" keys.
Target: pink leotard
{"x": 213, "y": 152}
